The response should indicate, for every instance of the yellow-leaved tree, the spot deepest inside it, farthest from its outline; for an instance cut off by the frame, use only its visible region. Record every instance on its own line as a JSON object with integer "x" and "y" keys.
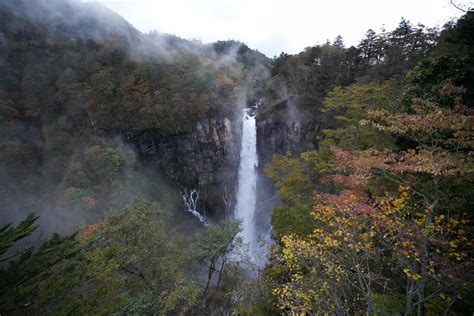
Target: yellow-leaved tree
{"x": 392, "y": 237}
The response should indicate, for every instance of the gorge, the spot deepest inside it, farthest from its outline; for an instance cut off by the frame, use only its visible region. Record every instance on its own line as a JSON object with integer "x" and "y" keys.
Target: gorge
{"x": 147, "y": 174}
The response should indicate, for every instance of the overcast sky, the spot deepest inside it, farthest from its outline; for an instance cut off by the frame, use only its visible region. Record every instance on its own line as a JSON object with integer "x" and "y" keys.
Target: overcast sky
{"x": 273, "y": 26}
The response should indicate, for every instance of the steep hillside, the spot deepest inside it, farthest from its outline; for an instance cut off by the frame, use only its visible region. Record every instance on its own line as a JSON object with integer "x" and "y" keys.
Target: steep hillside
{"x": 88, "y": 103}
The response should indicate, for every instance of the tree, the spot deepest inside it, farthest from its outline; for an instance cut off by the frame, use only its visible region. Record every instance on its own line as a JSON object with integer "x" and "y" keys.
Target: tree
{"x": 294, "y": 188}
{"x": 363, "y": 245}
{"x": 214, "y": 244}
{"x": 367, "y": 47}
{"x": 368, "y": 241}
{"x": 9, "y": 234}
{"x": 148, "y": 256}
{"x": 390, "y": 207}
{"x": 20, "y": 278}
{"x": 443, "y": 140}
{"x": 338, "y": 42}
{"x": 131, "y": 262}
{"x": 344, "y": 107}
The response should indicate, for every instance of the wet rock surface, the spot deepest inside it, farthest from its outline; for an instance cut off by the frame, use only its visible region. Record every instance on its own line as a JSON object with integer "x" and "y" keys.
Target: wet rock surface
{"x": 280, "y": 130}
{"x": 205, "y": 159}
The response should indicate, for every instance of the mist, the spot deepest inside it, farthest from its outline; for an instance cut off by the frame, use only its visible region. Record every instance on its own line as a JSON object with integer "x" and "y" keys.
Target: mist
{"x": 138, "y": 171}
{"x": 282, "y": 26}
{"x": 177, "y": 171}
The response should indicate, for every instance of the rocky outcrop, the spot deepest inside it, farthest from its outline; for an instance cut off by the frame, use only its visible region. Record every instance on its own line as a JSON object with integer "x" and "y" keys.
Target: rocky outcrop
{"x": 281, "y": 128}
{"x": 205, "y": 159}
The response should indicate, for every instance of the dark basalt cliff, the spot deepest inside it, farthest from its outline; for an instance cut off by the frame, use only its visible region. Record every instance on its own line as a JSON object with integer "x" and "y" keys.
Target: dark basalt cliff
{"x": 281, "y": 128}
{"x": 205, "y": 159}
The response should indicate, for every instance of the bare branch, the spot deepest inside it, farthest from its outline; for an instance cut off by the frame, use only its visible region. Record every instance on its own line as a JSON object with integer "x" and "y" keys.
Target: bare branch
{"x": 458, "y": 7}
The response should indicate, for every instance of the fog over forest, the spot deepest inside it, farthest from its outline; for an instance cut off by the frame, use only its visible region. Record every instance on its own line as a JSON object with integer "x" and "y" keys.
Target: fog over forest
{"x": 142, "y": 173}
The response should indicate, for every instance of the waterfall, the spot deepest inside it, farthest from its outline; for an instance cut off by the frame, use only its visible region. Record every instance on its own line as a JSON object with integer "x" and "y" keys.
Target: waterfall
{"x": 190, "y": 202}
{"x": 246, "y": 193}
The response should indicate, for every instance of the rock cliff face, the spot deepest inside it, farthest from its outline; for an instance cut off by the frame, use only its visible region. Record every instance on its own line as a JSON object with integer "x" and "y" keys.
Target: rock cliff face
{"x": 282, "y": 128}
{"x": 205, "y": 159}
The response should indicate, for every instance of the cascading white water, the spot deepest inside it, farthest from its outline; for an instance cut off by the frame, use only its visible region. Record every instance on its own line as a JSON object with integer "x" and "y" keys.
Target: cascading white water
{"x": 247, "y": 189}
{"x": 190, "y": 201}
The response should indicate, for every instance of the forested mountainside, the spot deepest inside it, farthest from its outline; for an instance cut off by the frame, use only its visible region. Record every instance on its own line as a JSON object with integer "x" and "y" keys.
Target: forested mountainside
{"x": 106, "y": 132}
{"x": 85, "y": 96}
{"x": 377, "y": 191}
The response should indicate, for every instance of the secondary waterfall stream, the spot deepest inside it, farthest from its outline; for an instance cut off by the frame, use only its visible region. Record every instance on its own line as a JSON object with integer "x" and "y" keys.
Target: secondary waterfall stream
{"x": 247, "y": 187}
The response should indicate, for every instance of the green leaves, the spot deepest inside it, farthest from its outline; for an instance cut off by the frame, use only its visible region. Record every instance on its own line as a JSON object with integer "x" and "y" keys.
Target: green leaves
{"x": 290, "y": 177}
{"x": 118, "y": 265}
{"x": 217, "y": 240}
{"x": 10, "y": 234}
{"x": 373, "y": 249}
{"x": 21, "y": 280}
{"x": 346, "y": 107}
